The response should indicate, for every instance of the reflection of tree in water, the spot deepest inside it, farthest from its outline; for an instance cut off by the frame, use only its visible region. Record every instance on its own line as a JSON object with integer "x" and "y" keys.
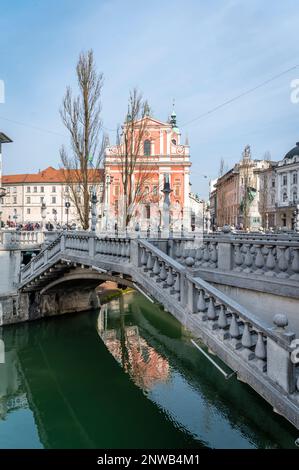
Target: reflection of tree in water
{"x": 141, "y": 361}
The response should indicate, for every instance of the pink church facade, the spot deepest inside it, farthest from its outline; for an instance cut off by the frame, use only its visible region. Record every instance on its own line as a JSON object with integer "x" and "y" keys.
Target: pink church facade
{"x": 167, "y": 158}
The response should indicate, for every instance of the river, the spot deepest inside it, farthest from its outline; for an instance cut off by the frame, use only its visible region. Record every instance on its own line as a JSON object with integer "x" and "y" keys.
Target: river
{"x": 125, "y": 376}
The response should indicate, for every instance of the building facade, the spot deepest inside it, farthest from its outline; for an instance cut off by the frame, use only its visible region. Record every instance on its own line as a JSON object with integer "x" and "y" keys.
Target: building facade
{"x": 287, "y": 176}
{"x": 245, "y": 195}
{"x": 40, "y": 198}
{"x": 161, "y": 157}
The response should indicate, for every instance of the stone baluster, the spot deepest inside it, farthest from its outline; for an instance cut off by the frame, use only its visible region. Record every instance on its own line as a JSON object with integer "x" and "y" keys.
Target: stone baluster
{"x": 123, "y": 249}
{"x": 259, "y": 260}
{"x": 211, "y": 314}
{"x": 128, "y": 248}
{"x": 163, "y": 272}
{"x": 247, "y": 343}
{"x": 260, "y": 351}
{"x": 234, "y": 331}
{"x": 201, "y": 304}
{"x": 282, "y": 263}
{"x": 206, "y": 254}
{"x": 222, "y": 323}
{"x": 169, "y": 279}
{"x": 214, "y": 255}
{"x": 198, "y": 256}
{"x": 295, "y": 264}
{"x": 248, "y": 260}
{"x": 178, "y": 247}
{"x": 150, "y": 262}
{"x": 270, "y": 262}
{"x": 143, "y": 257}
{"x": 238, "y": 258}
{"x": 177, "y": 286}
{"x": 156, "y": 268}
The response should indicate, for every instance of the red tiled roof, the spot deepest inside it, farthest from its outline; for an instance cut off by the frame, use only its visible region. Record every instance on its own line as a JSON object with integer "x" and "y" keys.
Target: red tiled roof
{"x": 49, "y": 175}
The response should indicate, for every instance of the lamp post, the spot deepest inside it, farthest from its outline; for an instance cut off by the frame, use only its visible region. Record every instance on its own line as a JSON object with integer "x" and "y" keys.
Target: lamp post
{"x": 3, "y": 140}
{"x": 109, "y": 180}
{"x": 67, "y": 205}
{"x": 43, "y": 214}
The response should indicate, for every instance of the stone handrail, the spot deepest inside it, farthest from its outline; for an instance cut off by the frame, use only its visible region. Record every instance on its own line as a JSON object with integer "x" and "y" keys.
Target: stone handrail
{"x": 16, "y": 238}
{"x": 269, "y": 258}
{"x": 256, "y": 344}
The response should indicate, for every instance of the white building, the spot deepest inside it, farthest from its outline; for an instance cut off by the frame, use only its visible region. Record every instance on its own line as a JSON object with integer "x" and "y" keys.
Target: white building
{"x": 39, "y": 198}
{"x": 287, "y": 175}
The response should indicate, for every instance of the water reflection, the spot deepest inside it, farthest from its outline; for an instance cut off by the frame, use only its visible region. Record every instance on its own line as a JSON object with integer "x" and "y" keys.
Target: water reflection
{"x": 141, "y": 361}
{"x": 62, "y": 387}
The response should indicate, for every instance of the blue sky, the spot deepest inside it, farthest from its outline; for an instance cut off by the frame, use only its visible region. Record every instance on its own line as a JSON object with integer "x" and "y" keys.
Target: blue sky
{"x": 202, "y": 53}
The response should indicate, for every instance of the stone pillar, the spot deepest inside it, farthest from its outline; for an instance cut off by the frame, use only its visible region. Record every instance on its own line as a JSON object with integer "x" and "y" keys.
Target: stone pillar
{"x": 279, "y": 366}
{"x": 225, "y": 253}
{"x": 297, "y": 219}
{"x": 166, "y": 205}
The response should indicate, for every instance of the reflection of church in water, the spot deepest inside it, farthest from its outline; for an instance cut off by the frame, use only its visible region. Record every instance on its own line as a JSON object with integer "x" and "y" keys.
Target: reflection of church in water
{"x": 141, "y": 361}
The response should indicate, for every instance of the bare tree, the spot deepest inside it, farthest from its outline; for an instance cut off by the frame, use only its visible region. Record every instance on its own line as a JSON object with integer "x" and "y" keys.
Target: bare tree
{"x": 137, "y": 169}
{"x": 81, "y": 116}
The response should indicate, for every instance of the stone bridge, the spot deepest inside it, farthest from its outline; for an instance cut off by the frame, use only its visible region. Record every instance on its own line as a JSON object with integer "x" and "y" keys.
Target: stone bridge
{"x": 265, "y": 356}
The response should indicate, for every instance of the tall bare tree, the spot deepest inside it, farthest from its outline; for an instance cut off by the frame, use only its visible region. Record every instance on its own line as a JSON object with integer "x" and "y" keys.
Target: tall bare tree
{"x": 81, "y": 116}
{"x": 137, "y": 170}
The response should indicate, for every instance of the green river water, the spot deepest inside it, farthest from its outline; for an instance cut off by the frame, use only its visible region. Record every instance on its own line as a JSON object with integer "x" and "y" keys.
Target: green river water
{"x": 125, "y": 376}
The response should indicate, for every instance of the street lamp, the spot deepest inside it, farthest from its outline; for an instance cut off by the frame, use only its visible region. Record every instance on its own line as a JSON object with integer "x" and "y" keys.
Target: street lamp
{"x": 43, "y": 214}
{"x": 67, "y": 205}
{"x": 3, "y": 140}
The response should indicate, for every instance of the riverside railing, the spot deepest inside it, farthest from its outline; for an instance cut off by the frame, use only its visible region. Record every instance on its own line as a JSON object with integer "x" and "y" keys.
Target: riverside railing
{"x": 277, "y": 257}
{"x": 258, "y": 351}
{"x": 15, "y": 238}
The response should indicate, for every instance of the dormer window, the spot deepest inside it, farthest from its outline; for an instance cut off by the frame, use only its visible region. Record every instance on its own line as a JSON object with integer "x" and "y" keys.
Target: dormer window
{"x": 147, "y": 148}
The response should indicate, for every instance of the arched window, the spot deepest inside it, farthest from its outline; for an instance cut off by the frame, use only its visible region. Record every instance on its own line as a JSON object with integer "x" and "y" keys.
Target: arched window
{"x": 147, "y": 147}
{"x": 173, "y": 141}
{"x": 295, "y": 195}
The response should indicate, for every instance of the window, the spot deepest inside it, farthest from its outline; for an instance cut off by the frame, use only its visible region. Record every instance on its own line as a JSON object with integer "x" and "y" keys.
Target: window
{"x": 14, "y": 189}
{"x": 273, "y": 183}
{"x": 284, "y": 180}
{"x": 177, "y": 190}
{"x": 272, "y": 199}
{"x": 35, "y": 189}
{"x": 147, "y": 147}
{"x": 42, "y": 199}
{"x": 28, "y": 189}
{"x": 28, "y": 200}
{"x": 42, "y": 189}
{"x": 155, "y": 190}
{"x": 173, "y": 141}
{"x": 53, "y": 199}
{"x": 116, "y": 190}
{"x": 116, "y": 206}
{"x": 14, "y": 199}
{"x": 53, "y": 189}
{"x": 148, "y": 211}
{"x": 294, "y": 196}
{"x": 284, "y": 197}
{"x": 295, "y": 178}
{"x": 54, "y": 211}
{"x": 28, "y": 210}
{"x": 67, "y": 189}
{"x": 146, "y": 190}
{"x": 7, "y": 190}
